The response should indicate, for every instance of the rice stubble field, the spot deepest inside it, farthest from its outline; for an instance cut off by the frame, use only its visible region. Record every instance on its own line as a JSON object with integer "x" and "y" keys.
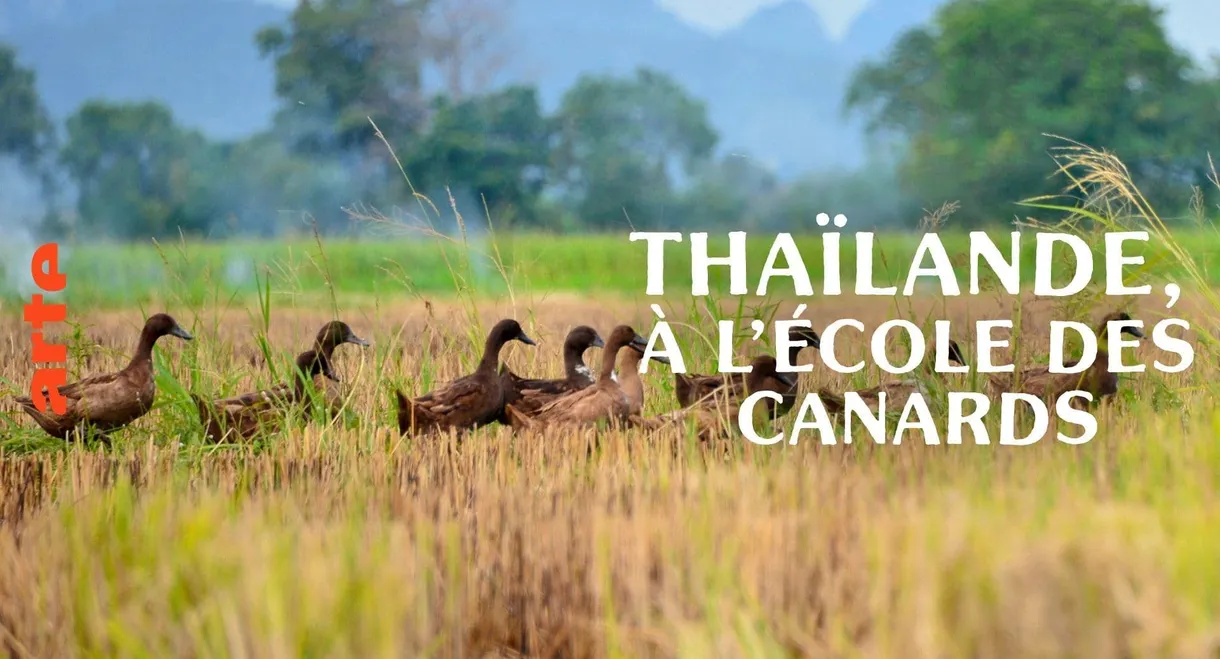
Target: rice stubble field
{"x": 343, "y": 539}
{"x": 340, "y": 538}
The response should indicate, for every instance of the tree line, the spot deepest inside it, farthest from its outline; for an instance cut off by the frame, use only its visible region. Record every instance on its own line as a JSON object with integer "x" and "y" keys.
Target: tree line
{"x": 957, "y": 108}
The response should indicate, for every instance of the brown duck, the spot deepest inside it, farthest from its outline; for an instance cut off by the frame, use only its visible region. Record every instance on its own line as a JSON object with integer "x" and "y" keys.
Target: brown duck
{"x": 691, "y": 388}
{"x": 605, "y": 400}
{"x": 470, "y": 401}
{"x": 1097, "y": 379}
{"x": 709, "y": 416}
{"x": 896, "y": 393}
{"x": 242, "y": 417}
{"x": 331, "y": 336}
{"x": 109, "y": 402}
{"x": 529, "y": 395}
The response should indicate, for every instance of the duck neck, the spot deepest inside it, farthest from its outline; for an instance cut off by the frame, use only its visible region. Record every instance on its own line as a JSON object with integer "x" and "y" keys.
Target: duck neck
{"x": 1103, "y": 339}
{"x": 491, "y": 354}
{"x": 794, "y": 352}
{"x": 609, "y": 356}
{"x": 144, "y": 349}
{"x": 629, "y": 378}
{"x": 756, "y": 379}
{"x": 574, "y": 364}
{"x": 324, "y": 347}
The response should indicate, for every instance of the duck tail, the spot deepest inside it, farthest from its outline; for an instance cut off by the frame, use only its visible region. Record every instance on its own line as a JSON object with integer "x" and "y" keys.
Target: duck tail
{"x": 517, "y": 418}
{"x": 27, "y": 405}
{"x": 645, "y": 423}
{"x": 682, "y": 389}
{"x": 407, "y": 413}
{"x": 833, "y": 402}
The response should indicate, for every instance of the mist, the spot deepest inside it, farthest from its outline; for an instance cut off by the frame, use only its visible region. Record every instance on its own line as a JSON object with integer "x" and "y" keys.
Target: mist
{"x": 20, "y": 213}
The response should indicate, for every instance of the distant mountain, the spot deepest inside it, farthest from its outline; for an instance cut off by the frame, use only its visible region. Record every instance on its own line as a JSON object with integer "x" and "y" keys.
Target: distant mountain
{"x": 773, "y": 85}
{"x": 876, "y": 28}
{"x": 198, "y": 56}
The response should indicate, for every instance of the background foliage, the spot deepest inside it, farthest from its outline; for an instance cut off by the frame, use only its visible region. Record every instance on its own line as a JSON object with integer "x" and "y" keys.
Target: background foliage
{"x": 960, "y": 107}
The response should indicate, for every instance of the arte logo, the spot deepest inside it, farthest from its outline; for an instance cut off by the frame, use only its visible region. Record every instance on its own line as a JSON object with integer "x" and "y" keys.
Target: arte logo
{"x": 44, "y": 268}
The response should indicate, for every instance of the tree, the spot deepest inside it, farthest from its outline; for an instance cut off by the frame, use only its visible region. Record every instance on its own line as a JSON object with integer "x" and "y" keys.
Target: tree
{"x": 26, "y": 132}
{"x": 623, "y": 144}
{"x": 466, "y": 41}
{"x": 490, "y": 149}
{"x": 973, "y": 93}
{"x": 340, "y": 62}
{"x": 132, "y": 166}
{"x": 734, "y": 191}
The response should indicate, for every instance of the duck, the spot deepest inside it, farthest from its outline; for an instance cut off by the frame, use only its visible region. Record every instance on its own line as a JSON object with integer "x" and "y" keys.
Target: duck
{"x": 604, "y": 401}
{"x": 331, "y": 336}
{"x": 108, "y": 402}
{"x": 242, "y": 417}
{"x": 471, "y": 401}
{"x": 707, "y": 413}
{"x": 691, "y": 388}
{"x": 896, "y": 393}
{"x": 1097, "y": 379}
{"x": 528, "y": 395}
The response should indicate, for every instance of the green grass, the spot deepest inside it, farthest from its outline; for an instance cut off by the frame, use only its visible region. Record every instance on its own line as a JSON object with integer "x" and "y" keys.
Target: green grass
{"x": 198, "y": 273}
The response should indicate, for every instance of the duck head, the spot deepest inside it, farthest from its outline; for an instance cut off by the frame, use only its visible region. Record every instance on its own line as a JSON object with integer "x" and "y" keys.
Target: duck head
{"x": 1120, "y": 316}
{"x": 336, "y": 333}
{"x": 764, "y": 368}
{"x": 504, "y": 331}
{"x": 955, "y": 353}
{"x": 807, "y": 335}
{"x": 509, "y": 330}
{"x": 625, "y": 335}
{"x": 581, "y": 339}
{"x": 163, "y": 324}
{"x": 639, "y": 349}
{"x": 622, "y": 336}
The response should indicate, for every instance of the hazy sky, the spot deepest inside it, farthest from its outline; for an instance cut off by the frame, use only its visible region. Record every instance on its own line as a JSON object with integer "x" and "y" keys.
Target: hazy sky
{"x": 1191, "y": 22}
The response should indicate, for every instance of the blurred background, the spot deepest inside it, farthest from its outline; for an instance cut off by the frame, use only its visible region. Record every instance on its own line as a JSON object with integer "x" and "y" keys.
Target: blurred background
{"x": 126, "y": 120}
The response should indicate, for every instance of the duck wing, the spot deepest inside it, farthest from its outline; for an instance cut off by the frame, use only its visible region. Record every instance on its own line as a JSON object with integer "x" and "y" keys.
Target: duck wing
{"x": 586, "y": 406}
{"x": 462, "y": 393}
{"x": 691, "y": 388}
{"x": 78, "y": 390}
{"x": 74, "y": 391}
{"x": 896, "y": 395}
{"x": 412, "y": 416}
{"x": 467, "y": 402}
{"x": 107, "y": 402}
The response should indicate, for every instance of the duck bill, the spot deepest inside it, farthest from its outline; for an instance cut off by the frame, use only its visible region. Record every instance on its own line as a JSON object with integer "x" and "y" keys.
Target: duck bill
{"x": 786, "y": 378}
{"x": 639, "y": 342}
{"x": 597, "y": 342}
{"x": 1134, "y": 331}
{"x": 181, "y": 333}
{"x": 660, "y": 358}
{"x": 522, "y": 337}
{"x": 352, "y": 338}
